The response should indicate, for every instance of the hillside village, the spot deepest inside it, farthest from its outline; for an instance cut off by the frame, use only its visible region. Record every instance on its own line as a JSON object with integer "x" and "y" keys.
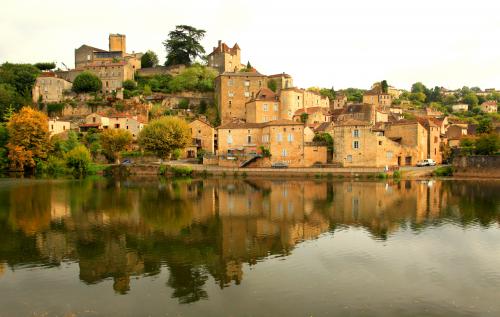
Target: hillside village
{"x": 240, "y": 117}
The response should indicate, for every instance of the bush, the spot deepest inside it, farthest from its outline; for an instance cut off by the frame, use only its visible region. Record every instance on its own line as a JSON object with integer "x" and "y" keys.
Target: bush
{"x": 396, "y": 175}
{"x": 382, "y": 176}
{"x": 443, "y": 171}
{"x": 176, "y": 154}
{"x": 129, "y": 84}
{"x": 78, "y": 159}
{"x": 55, "y": 109}
{"x": 182, "y": 170}
{"x": 87, "y": 82}
{"x": 183, "y": 104}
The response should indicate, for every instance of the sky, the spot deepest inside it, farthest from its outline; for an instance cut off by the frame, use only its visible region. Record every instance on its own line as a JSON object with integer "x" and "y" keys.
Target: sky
{"x": 350, "y": 43}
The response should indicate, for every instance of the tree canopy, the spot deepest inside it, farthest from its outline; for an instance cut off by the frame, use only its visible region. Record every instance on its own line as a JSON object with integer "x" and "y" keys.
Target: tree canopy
{"x": 45, "y": 66}
{"x": 113, "y": 141}
{"x": 164, "y": 135}
{"x": 87, "y": 82}
{"x": 183, "y": 45}
{"x": 28, "y": 138}
{"x": 149, "y": 59}
{"x": 16, "y": 83}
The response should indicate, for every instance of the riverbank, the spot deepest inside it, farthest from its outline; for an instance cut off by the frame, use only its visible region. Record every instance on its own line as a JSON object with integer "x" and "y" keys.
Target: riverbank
{"x": 177, "y": 167}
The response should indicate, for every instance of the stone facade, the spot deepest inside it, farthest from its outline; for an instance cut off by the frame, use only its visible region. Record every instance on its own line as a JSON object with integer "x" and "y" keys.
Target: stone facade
{"x": 264, "y": 107}
{"x": 339, "y": 102}
{"x": 225, "y": 59}
{"x": 283, "y": 138}
{"x": 49, "y": 88}
{"x": 293, "y": 99}
{"x": 409, "y": 134}
{"x": 378, "y": 99}
{"x": 58, "y": 126}
{"x": 358, "y": 144}
{"x": 234, "y": 90}
{"x": 489, "y": 107}
{"x": 283, "y": 81}
{"x": 462, "y": 107}
{"x": 133, "y": 124}
{"x": 203, "y": 135}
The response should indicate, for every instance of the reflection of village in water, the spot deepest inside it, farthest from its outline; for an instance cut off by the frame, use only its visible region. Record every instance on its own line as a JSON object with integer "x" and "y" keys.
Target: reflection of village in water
{"x": 202, "y": 228}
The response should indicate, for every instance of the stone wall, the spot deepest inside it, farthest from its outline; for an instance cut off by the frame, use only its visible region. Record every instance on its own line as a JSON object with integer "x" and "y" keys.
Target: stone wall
{"x": 477, "y": 165}
{"x": 173, "y": 70}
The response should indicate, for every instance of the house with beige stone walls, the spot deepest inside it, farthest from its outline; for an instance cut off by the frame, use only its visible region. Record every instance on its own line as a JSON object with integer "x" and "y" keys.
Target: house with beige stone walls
{"x": 50, "y": 88}
{"x": 263, "y": 107}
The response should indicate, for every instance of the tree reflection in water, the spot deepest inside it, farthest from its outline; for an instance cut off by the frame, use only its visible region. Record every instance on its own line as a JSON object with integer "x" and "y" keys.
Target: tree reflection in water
{"x": 197, "y": 229}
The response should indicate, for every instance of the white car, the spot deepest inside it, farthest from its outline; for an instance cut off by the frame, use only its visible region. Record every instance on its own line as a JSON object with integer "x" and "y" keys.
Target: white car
{"x": 426, "y": 162}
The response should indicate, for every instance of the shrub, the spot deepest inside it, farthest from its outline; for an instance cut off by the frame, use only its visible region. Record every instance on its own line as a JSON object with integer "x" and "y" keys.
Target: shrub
{"x": 78, "y": 159}
{"x": 129, "y": 84}
{"x": 443, "y": 171}
{"x": 176, "y": 154}
{"x": 183, "y": 104}
{"x": 87, "y": 82}
{"x": 396, "y": 175}
{"x": 182, "y": 170}
{"x": 162, "y": 169}
{"x": 382, "y": 176}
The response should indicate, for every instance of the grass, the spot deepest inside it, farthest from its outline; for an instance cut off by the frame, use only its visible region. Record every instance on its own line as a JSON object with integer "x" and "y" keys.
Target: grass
{"x": 396, "y": 175}
{"x": 181, "y": 170}
{"x": 382, "y": 175}
{"x": 443, "y": 171}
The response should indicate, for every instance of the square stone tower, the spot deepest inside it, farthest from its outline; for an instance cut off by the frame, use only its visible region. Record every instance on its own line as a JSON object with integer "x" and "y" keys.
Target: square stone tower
{"x": 117, "y": 42}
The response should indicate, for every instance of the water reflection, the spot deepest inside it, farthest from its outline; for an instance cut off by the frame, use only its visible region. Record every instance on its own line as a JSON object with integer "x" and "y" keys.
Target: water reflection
{"x": 208, "y": 229}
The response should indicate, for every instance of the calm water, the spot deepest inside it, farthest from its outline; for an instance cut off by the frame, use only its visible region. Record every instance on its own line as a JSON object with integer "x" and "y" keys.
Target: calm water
{"x": 254, "y": 247}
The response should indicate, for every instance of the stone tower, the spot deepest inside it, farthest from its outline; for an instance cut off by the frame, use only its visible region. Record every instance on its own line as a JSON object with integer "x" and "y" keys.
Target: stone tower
{"x": 225, "y": 59}
{"x": 117, "y": 42}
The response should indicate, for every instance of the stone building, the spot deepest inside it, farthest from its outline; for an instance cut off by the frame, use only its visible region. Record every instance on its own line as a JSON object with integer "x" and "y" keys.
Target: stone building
{"x": 203, "y": 135}
{"x": 283, "y": 138}
{"x": 58, "y": 126}
{"x": 339, "y": 102}
{"x": 263, "y": 107}
{"x": 359, "y": 144}
{"x": 133, "y": 124}
{"x": 315, "y": 115}
{"x": 50, "y": 88}
{"x": 86, "y": 55}
{"x": 293, "y": 99}
{"x": 358, "y": 111}
{"x": 225, "y": 59}
{"x": 234, "y": 90}
{"x": 410, "y": 134}
{"x": 489, "y": 107}
{"x": 282, "y": 81}
{"x": 377, "y": 98}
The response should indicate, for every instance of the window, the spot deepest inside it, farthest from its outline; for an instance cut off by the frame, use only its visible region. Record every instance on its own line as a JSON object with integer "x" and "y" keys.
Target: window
{"x": 275, "y": 118}
{"x": 265, "y": 138}
{"x": 230, "y": 103}
{"x": 247, "y": 83}
{"x": 349, "y": 158}
{"x": 379, "y": 142}
{"x": 389, "y": 155}
{"x": 284, "y": 153}
{"x": 264, "y": 107}
{"x": 355, "y": 133}
{"x": 290, "y": 137}
{"x": 230, "y": 94}
{"x": 127, "y": 127}
{"x": 275, "y": 107}
{"x": 247, "y": 94}
{"x": 117, "y": 126}
{"x": 355, "y": 145}
{"x": 249, "y": 139}
{"x": 279, "y": 137}
{"x": 229, "y": 139}
{"x": 52, "y": 127}
{"x": 230, "y": 82}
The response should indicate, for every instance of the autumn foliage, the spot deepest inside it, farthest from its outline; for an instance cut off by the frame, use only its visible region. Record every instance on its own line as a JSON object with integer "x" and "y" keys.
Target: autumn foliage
{"x": 28, "y": 138}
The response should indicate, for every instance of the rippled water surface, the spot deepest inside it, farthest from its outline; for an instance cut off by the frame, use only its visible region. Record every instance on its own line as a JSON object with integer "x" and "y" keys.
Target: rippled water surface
{"x": 249, "y": 247}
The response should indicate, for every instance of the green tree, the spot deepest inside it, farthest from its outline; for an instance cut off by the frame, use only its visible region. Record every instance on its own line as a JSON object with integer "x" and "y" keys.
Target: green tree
{"x": 471, "y": 99}
{"x": 21, "y": 76}
{"x": 384, "y": 86}
{"x": 183, "y": 45}
{"x": 484, "y": 125}
{"x": 163, "y": 135}
{"x": 303, "y": 117}
{"x": 114, "y": 141}
{"x": 28, "y": 138}
{"x": 129, "y": 84}
{"x": 87, "y": 82}
{"x": 418, "y": 97}
{"x": 418, "y": 87}
{"x": 79, "y": 160}
{"x": 271, "y": 84}
{"x": 450, "y": 100}
{"x": 488, "y": 144}
{"x": 467, "y": 146}
{"x": 149, "y": 59}
{"x": 194, "y": 78}
{"x": 45, "y": 66}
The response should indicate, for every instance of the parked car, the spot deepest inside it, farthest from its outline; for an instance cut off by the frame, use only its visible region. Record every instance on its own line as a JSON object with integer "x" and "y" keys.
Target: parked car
{"x": 426, "y": 162}
{"x": 279, "y": 165}
{"x": 126, "y": 162}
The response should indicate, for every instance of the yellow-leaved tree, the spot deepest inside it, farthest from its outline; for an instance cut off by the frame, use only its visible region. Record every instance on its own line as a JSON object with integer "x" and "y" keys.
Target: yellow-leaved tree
{"x": 164, "y": 135}
{"x": 28, "y": 138}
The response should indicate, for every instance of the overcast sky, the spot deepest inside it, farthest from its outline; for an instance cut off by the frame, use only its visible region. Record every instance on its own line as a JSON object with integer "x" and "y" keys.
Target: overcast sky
{"x": 349, "y": 43}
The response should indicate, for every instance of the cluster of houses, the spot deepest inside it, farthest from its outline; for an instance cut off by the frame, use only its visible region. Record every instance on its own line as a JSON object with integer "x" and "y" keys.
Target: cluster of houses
{"x": 262, "y": 127}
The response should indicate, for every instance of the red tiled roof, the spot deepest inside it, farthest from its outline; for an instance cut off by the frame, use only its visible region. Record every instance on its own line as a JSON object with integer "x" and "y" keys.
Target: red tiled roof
{"x": 280, "y": 75}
